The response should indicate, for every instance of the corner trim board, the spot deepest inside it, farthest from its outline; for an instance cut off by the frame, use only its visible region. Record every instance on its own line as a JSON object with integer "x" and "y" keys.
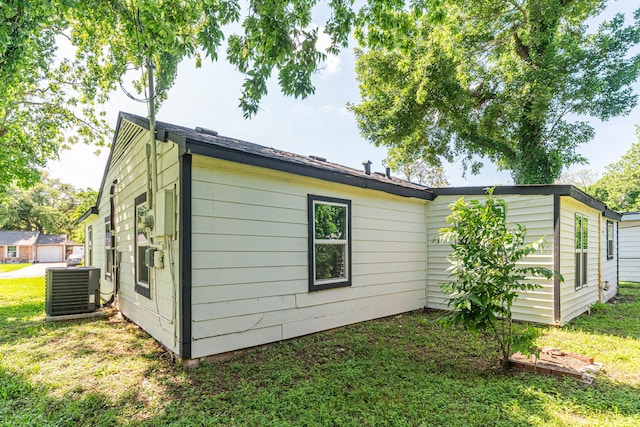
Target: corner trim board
{"x": 185, "y": 249}
{"x": 556, "y": 259}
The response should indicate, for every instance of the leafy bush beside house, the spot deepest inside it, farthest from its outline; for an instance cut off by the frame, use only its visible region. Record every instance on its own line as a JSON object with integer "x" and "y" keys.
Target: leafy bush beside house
{"x": 485, "y": 272}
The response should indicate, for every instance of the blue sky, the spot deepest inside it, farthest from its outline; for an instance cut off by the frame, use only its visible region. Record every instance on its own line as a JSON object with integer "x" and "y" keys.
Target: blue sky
{"x": 319, "y": 125}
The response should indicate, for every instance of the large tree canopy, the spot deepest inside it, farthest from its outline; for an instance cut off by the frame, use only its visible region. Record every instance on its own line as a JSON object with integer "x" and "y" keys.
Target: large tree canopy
{"x": 619, "y": 187}
{"x": 48, "y": 101}
{"x": 494, "y": 78}
{"x": 50, "y": 206}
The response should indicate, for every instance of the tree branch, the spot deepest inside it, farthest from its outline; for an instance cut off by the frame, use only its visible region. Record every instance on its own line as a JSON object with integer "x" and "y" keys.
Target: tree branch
{"x": 520, "y": 9}
{"x": 521, "y": 49}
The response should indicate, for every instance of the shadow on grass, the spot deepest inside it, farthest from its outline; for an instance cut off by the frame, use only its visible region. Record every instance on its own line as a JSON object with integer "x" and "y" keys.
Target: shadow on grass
{"x": 25, "y": 404}
{"x": 404, "y": 371}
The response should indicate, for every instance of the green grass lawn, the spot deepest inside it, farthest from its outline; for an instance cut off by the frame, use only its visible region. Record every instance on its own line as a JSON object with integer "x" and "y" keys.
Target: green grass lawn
{"x": 400, "y": 371}
{"x": 5, "y": 268}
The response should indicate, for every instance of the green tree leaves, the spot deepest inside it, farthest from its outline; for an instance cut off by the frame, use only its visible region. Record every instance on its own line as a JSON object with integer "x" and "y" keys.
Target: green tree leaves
{"x": 50, "y": 102}
{"x": 492, "y": 78}
{"x": 485, "y": 271}
{"x": 50, "y": 206}
{"x": 619, "y": 187}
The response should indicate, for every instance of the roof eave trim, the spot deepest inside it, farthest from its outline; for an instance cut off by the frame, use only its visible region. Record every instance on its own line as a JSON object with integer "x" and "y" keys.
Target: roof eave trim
{"x": 543, "y": 189}
{"x": 92, "y": 211}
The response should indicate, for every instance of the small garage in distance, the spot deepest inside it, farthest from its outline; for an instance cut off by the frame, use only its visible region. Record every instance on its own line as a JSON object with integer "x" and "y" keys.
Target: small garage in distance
{"x": 629, "y": 247}
{"x": 49, "y": 253}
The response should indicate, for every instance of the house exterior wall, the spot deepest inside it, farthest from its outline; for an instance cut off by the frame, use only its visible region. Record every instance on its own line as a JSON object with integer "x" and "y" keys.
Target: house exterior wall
{"x": 250, "y": 266}
{"x": 25, "y": 253}
{"x": 157, "y": 314}
{"x": 629, "y": 246}
{"x": 608, "y": 266}
{"x": 575, "y": 302}
{"x": 535, "y": 212}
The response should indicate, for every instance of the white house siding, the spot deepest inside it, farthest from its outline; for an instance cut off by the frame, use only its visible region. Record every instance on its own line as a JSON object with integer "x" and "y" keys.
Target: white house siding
{"x": 629, "y": 247}
{"x": 156, "y": 315}
{"x": 608, "y": 267}
{"x": 575, "y": 302}
{"x": 250, "y": 268}
{"x": 535, "y": 212}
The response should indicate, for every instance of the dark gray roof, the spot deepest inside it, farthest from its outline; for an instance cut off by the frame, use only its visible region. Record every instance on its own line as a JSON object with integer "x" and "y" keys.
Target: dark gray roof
{"x": 28, "y": 238}
{"x": 213, "y": 145}
{"x": 52, "y": 239}
{"x": 18, "y": 238}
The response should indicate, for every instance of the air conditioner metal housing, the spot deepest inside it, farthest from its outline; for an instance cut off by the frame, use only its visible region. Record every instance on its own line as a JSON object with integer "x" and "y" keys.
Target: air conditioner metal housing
{"x": 72, "y": 290}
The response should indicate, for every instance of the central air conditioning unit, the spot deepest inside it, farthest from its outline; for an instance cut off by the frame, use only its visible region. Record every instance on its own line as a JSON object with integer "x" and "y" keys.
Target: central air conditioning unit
{"x": 72, "y": 290}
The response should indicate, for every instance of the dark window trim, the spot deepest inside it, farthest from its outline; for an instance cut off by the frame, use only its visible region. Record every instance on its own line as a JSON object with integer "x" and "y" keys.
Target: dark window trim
{"x": 108, "y": 249}
{"x": 311, "y": 198}
{"x": 610, "y": 250}
{"x": 581, "y": 267}
{"x": 139, "y": 286}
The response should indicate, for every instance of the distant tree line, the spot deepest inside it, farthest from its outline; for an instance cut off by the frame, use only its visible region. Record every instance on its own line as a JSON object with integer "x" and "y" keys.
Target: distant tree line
{"x": 50, "y": 206}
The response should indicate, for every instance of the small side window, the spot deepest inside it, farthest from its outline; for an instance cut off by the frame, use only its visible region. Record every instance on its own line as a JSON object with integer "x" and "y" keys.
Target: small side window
{"x": 141, "y": 244}
{"x": 610, "y": 232}
{"x": 108, "y": 247}
{"x": 582, "y": 250}
{"x": 329, "y": 242}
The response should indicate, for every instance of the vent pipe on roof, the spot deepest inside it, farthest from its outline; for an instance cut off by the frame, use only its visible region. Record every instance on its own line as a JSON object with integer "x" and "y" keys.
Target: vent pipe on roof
{"x": 318, "y": 158}
{"x": 387, "y": 172}
{"x": 207, "y": 131}
{"x": 367, "y": 167}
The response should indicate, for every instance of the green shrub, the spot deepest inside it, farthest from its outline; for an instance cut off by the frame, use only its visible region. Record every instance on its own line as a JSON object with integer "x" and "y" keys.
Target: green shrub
{"x": 486, "y": 277}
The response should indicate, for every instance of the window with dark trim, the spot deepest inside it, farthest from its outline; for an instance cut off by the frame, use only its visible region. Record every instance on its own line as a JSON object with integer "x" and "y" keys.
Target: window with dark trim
{"x": 89, "y": 245}
{"x": 582, "y": 249}
{"x": 329, "y": 242}
{"x": 610, "y": 231}
{"x": 108, "y": 248}
{"x": 141, "y": 244}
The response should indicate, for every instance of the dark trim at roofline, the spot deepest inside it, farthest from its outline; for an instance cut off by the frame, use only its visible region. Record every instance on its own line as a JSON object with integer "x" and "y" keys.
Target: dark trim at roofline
{"x": 92, "y": 211}
{"x": 184, "y": 254}
{"x": 238, "y": 156}
{"x": 553, "y": 189}
{"x": 556, "y": 259}
{"x": 204, "y": 149}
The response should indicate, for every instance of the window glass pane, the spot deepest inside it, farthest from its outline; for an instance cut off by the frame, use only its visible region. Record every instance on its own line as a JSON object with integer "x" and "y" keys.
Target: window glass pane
{"x": 107, "y": 235}
{"x": 578, "y": 270}
{"x": 578, "y": 231}
{"x": 143, "y": 270}
{"x": 330, "y": 261}
{"x": 12, "y": 251}
{"x": 330, "y": 221}
{"x": 142, "y": 242}
{"x": 585, "y": 233}
{"x": 141, "y": 213}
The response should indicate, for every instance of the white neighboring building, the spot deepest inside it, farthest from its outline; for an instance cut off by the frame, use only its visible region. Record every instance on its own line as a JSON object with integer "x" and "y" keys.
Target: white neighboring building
{"x": 629, "y": 247}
